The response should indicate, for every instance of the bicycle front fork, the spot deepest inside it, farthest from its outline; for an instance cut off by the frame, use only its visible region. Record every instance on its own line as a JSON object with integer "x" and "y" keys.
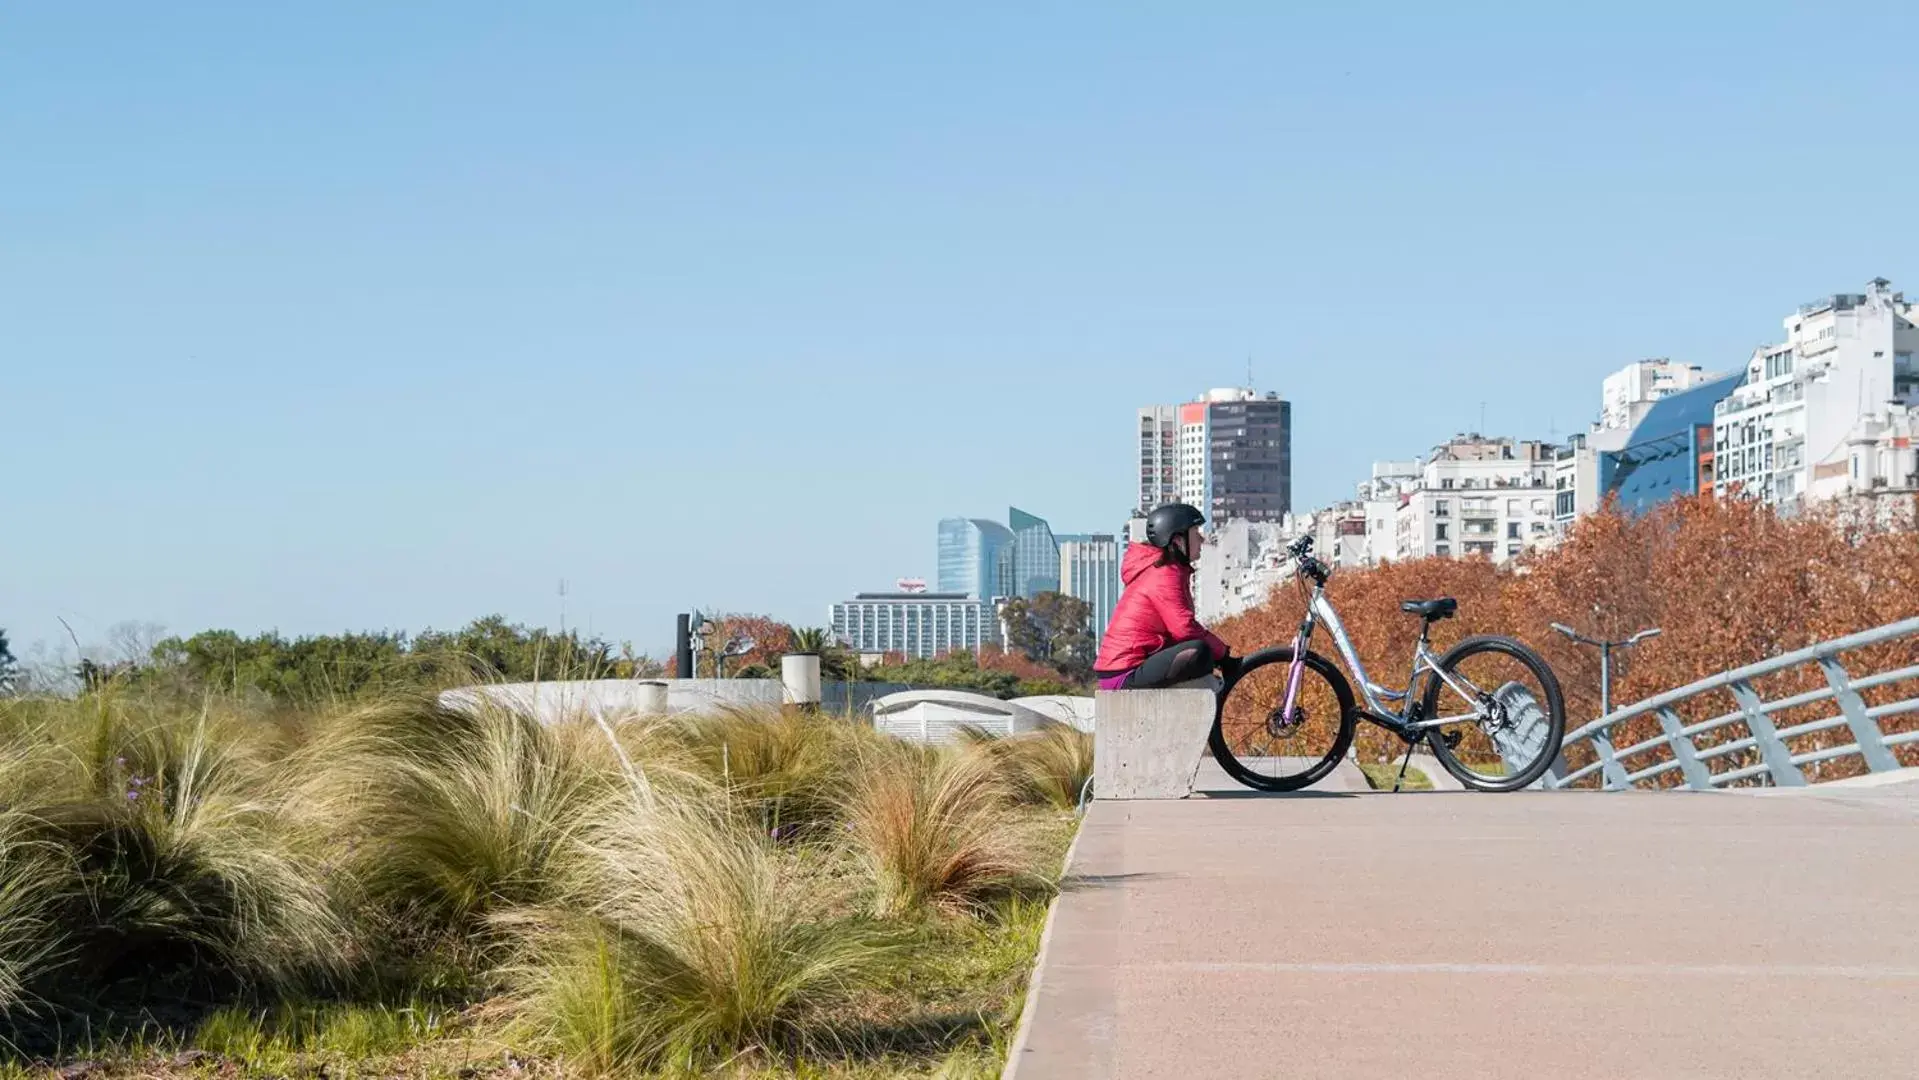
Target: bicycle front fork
{"x": 1293, "y": 676}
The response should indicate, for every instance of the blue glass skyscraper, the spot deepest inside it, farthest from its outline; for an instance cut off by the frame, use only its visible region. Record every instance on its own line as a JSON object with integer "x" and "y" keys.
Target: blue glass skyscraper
{"x": 976, "y": 558}
{"x": 1035, "y": 554}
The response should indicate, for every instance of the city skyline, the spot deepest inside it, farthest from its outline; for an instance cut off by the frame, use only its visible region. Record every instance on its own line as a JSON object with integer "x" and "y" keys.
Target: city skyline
{"x": 310, "y": 320}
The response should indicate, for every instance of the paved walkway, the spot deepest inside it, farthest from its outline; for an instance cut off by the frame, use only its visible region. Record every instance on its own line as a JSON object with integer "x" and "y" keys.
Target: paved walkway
{"x": 1462, "y": 935}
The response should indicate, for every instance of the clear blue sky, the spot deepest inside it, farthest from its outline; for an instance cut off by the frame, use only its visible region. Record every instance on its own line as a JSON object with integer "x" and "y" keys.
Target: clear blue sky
{"x": 387, "y": 315}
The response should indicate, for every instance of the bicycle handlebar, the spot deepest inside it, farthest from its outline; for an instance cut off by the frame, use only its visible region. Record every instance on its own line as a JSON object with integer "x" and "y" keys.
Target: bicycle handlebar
{"x": 1312, "y": 569}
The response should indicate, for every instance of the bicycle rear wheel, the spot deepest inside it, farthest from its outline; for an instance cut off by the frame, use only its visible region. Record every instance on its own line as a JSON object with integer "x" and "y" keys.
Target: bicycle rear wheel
{"x": 1261, "y": 746}
{"x": 1507, "y": 716}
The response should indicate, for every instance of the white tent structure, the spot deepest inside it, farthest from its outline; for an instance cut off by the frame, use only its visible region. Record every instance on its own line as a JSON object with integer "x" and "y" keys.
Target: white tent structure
{"x": 1061, "y": 708}
{"x": 938, "y": 715}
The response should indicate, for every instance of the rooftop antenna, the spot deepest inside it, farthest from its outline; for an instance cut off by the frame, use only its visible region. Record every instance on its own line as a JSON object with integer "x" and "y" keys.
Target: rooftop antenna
{"x": 562, "y": 607}
{"x": 1249, "y": 371}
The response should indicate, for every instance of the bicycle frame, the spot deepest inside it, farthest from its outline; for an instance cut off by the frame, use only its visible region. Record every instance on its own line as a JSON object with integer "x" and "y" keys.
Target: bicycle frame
{"x": 1404, "y": 721}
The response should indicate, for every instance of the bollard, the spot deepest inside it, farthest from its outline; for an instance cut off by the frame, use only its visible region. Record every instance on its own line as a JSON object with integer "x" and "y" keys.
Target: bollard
{"x": 800, "y": 679}
{"x": 1147, "y": 744}
{"x": 652, "y": 698}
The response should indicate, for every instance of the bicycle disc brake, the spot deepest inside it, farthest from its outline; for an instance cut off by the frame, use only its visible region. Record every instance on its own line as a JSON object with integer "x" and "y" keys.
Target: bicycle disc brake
{"x": 1281, "y": 727}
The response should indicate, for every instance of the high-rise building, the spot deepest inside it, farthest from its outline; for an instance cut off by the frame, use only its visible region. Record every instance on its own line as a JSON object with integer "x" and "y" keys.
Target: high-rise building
{"x": 1628, "y": 393}
{"x": 1845, "y": 357}
{"x": 1233, "y": 455}
{"x": 1034, "y": 554}
{"x": 975, "y": 558}
{"x": 1158, "y": 456}
{"x": 1669, "y": 452}
{"x": 1089, "y": 571}
{"x": 921, "y": 625}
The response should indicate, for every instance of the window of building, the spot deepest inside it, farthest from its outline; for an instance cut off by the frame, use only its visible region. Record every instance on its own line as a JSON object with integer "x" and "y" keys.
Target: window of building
{"x": 1442, "y": 549}
{"x": 1512, "y": 551}
{"x": 1441, "y": 508}
{"x": 1439, "y": 531}
{"x": 1538, "y": 527}
{"x": 1512, "y": 530}
{"x": 1447, "y": 483}
{"x": 1513, "y": 508}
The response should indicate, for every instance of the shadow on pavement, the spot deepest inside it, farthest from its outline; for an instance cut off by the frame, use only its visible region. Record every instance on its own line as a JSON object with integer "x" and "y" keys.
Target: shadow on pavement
{"x": 1083, "y": 882}
{"x": 1249, "y": 793}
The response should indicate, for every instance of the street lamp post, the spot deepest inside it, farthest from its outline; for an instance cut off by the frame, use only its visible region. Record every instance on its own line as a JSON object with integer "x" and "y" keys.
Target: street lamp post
{"x": 702, "y": 628}
{"x": 737, "y": 647}
{"x": 1605, "y": 658}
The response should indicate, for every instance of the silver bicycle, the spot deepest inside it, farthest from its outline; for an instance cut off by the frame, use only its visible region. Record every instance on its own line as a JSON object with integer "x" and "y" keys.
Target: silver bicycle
{"x": 1490, "y": 708}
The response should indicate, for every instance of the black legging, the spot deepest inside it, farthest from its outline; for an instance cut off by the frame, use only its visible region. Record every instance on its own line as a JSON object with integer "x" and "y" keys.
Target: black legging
{"x": 1182, "y": 661}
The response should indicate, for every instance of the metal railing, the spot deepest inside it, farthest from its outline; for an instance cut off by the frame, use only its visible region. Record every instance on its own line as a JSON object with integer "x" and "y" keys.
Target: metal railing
{"x": 1764, "y": 752}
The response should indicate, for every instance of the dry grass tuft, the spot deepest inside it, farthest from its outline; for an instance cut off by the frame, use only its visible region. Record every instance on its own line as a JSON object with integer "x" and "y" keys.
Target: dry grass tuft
{"x": 935, "y": 829}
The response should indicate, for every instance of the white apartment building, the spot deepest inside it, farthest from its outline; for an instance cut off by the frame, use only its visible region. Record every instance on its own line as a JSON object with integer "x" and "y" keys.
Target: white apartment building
{"x": 1576, "y": 479}
{"x": 1880, "y": 457}
{"x": 1479, "y": 496}
{"x": 1380, "y": 496}
{"x": 1626, "y": 394}
{"x": 1846, "y": 358}
{"x": 918, "y": 624}
{"x": 1241, "y": 563}
{"x": 1159, "y": 450}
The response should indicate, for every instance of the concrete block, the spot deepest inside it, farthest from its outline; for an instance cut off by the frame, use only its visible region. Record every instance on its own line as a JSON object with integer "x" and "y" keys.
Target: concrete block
{"x": 1147, "y": 744}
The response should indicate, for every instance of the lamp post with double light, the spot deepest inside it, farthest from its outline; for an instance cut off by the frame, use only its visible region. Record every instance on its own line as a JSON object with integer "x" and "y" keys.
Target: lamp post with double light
{"x": 1605, "y": 658}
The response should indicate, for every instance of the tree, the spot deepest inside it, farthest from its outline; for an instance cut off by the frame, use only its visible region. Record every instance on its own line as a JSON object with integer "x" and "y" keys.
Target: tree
{"x": 1729, "y": 582}
{"x": 636, "y": 665}
{"x": 771, "y": 640}
{"x": 836, "y": 660}
{"x": 1052, "y": 628}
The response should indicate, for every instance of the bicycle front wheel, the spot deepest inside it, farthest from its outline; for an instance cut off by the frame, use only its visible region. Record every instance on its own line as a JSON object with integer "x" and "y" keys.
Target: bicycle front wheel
{"x": 1262, "y": 745}
{"x": 1504, "y": 717}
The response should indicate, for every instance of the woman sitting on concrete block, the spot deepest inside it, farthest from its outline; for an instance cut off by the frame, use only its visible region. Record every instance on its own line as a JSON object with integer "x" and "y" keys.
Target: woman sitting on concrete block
{"x": 1154, "y": 640}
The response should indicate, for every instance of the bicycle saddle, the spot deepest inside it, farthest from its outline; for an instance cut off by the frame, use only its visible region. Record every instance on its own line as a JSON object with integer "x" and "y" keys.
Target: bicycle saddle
{"x": 1442, "y": 608}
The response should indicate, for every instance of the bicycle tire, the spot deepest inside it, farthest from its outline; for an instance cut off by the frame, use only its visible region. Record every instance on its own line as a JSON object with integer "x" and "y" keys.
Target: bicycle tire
{"x": 1555, "y": 713}
{"x": 1342, "y": 740}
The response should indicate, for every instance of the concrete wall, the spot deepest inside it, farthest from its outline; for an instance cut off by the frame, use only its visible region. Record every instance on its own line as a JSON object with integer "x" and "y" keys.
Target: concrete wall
{"x": 552, "y": 701}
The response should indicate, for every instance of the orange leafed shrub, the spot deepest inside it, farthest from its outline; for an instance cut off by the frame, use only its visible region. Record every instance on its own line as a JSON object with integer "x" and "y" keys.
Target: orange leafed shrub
{"x": 1728, "y": 582}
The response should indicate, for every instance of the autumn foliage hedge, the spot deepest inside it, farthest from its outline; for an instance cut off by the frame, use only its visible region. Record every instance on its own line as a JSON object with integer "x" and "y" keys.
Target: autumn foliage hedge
{"x": 1728, "y": 582}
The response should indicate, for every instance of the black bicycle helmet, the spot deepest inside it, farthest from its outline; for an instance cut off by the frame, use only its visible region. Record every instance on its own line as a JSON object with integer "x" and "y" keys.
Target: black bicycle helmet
{"x": 1171, "y": 520}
